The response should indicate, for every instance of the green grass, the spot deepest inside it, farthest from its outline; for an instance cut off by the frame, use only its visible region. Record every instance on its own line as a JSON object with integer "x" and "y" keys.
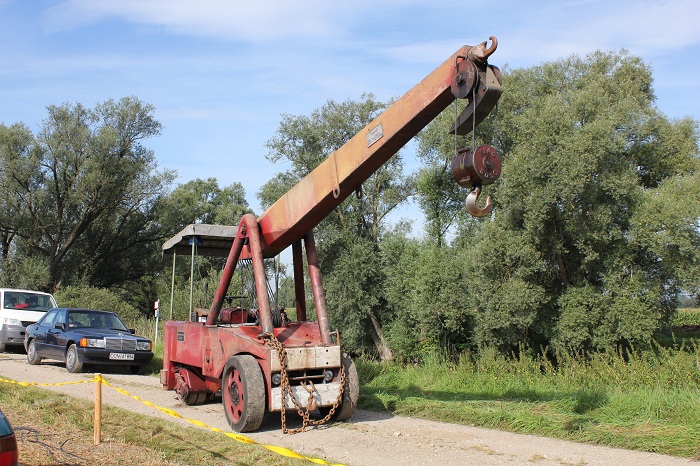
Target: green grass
{"x": 63, "y": 423}
{"x": 648, "y": 401}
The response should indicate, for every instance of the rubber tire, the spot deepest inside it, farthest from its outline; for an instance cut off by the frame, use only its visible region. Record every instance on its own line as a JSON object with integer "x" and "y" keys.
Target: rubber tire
{"x": 351, "y": 393}
{"x": 195, "y": 398}
{"x": 137, "y": 369}
{"x": 32, "y": 357}
{"x": 73, "y": 364}
{"x": 243, "y": 393}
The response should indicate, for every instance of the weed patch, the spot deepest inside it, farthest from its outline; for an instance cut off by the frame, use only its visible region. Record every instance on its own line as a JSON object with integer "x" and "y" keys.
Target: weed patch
{"x": 643, "y": 400}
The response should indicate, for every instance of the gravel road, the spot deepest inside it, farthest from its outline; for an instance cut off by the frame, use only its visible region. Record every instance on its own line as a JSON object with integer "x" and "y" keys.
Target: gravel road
{"x": 368, "y": 439}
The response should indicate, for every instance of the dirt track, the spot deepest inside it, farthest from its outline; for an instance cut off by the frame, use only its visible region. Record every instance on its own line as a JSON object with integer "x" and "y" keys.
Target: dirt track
{"x": 368, "y": 439}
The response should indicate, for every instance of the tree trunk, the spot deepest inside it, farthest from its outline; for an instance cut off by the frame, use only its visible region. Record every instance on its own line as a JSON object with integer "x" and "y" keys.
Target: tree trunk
{"x": 377, "y": 335}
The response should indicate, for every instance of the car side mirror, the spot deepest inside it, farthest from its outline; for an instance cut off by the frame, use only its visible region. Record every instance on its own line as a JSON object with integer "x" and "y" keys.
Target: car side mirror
{"x": 132, "y": 330}
{"x": 61, "y": 325}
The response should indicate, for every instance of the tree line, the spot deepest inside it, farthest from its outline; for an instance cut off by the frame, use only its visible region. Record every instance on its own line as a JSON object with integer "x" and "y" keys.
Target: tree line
{"x": 594, "y": 235}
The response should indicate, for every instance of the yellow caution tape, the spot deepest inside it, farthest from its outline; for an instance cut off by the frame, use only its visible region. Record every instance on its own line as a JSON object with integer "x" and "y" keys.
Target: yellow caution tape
{"x": 235, "y": 436}
{"x": 44, "y": 384}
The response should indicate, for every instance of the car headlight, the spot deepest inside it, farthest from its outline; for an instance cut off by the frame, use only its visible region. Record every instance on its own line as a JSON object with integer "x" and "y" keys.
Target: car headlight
{"x": 92, "y": 342}
{"x": 143, "y": 345}
{"x": 8, "y": 321}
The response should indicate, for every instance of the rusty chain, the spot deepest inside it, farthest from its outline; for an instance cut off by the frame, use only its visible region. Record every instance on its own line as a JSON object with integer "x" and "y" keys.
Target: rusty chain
{"x": 305, "y": 414}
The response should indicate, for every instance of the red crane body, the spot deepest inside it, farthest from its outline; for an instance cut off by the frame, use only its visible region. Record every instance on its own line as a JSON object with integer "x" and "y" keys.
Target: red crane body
{"x": 276, "y": 362}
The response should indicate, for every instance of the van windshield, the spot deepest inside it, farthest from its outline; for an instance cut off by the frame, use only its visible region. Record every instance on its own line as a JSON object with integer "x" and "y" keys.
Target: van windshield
{"x": 27, "y": 301}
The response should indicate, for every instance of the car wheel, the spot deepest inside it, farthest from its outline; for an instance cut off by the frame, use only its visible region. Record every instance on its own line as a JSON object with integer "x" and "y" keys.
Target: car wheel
{"x": 73, "y": 364}
{"x": 243, "y": 393}
{"x": 32, "y": 357}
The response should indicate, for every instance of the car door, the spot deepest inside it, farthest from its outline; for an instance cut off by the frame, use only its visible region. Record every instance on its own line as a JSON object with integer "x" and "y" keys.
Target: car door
{"x": 39, "y": 335}
{"x": 54, "y": 336}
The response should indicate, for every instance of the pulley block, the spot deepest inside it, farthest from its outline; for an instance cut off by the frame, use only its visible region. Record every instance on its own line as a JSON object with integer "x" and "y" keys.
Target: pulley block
{"x": 473, "y": 169}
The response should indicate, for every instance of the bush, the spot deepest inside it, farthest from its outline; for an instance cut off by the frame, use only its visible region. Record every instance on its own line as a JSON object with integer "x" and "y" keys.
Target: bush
{"x": 97, "y": 298}
{"x": 26, "y": 272}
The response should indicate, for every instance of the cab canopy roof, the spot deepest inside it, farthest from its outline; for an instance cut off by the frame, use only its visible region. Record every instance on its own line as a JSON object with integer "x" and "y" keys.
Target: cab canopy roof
{"x": 208, "y": 240}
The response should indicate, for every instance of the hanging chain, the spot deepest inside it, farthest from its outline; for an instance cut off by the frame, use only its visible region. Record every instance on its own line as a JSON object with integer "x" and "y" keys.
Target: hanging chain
{"x": 473, "y": 103}
{"x": 305, "y": 414}
{"x": 447, "y": 161}
{"x": 494, "y": 135}
{"x": 473, "y": 119}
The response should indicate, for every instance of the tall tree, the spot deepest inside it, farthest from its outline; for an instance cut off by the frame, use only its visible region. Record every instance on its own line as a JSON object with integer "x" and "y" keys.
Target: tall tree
{"x": 85, "y": 176}
{"x": 16, "y": 145}
{"x": 596, "y": 227}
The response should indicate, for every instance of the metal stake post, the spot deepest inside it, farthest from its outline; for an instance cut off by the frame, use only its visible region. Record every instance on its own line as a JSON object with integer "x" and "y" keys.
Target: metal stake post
{"x": 98, "y": 409}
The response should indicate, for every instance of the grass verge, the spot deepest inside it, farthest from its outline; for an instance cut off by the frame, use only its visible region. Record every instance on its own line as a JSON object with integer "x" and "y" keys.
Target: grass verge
{"x": 646, "y": 400}
{"x": 53, "y": 428}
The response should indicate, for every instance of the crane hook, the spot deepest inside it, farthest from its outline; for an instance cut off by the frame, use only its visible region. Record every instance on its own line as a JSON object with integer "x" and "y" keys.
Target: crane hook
{"x": 480, "y": 53}
{"x": 475, "y": 210}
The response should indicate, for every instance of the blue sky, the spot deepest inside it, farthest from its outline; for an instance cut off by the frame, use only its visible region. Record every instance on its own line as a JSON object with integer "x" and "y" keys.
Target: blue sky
{"x": 221, "y": 73}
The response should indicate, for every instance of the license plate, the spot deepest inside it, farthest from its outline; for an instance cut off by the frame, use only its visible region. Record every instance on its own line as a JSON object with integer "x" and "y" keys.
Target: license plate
{"x": 122, "y": 356}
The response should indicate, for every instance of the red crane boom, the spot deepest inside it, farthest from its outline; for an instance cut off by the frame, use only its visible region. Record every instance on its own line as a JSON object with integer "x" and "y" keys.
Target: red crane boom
{"x": 312, "y": 199}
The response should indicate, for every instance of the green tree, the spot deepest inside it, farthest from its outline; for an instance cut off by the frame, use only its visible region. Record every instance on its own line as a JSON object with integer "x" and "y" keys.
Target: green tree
{"x": 203, "y": 201}
{"x": 596, "y": 223}
{"x": 82, "y": 192}
{"x": 16, "y": 145}
{"x": 427, "y": 292}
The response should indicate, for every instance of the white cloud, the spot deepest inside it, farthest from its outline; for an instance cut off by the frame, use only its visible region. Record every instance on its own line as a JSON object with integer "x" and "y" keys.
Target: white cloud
{"x": 645, "y": 27}
{"x": 261, "y": 20}
{"x": 653, "y": 26}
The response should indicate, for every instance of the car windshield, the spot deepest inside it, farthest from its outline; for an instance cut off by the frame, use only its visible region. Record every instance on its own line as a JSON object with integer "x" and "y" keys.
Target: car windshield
{"x": 27, "y": 301}
{"x": 94, "y": 319}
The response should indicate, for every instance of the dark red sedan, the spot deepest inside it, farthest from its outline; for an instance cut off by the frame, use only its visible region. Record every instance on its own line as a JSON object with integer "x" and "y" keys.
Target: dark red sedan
{"x": 9, "y": 455}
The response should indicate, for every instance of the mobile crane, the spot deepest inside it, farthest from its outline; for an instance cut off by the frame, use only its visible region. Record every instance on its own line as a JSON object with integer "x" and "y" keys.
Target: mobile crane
{"x": 260, "y": 362}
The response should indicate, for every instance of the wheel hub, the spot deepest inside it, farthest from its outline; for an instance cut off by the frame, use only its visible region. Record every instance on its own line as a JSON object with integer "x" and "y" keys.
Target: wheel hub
{"x": 235, "y": 394}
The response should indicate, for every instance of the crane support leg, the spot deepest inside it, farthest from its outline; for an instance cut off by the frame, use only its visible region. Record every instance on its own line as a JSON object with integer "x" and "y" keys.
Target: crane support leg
{"x": 300, "y": 298}
{"x": 317, "y": 288}
{"x": 248, "y": 236}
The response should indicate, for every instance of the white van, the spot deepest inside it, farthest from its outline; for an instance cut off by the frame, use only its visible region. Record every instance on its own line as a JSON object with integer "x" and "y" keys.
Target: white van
{"x": 19, "y": 308}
